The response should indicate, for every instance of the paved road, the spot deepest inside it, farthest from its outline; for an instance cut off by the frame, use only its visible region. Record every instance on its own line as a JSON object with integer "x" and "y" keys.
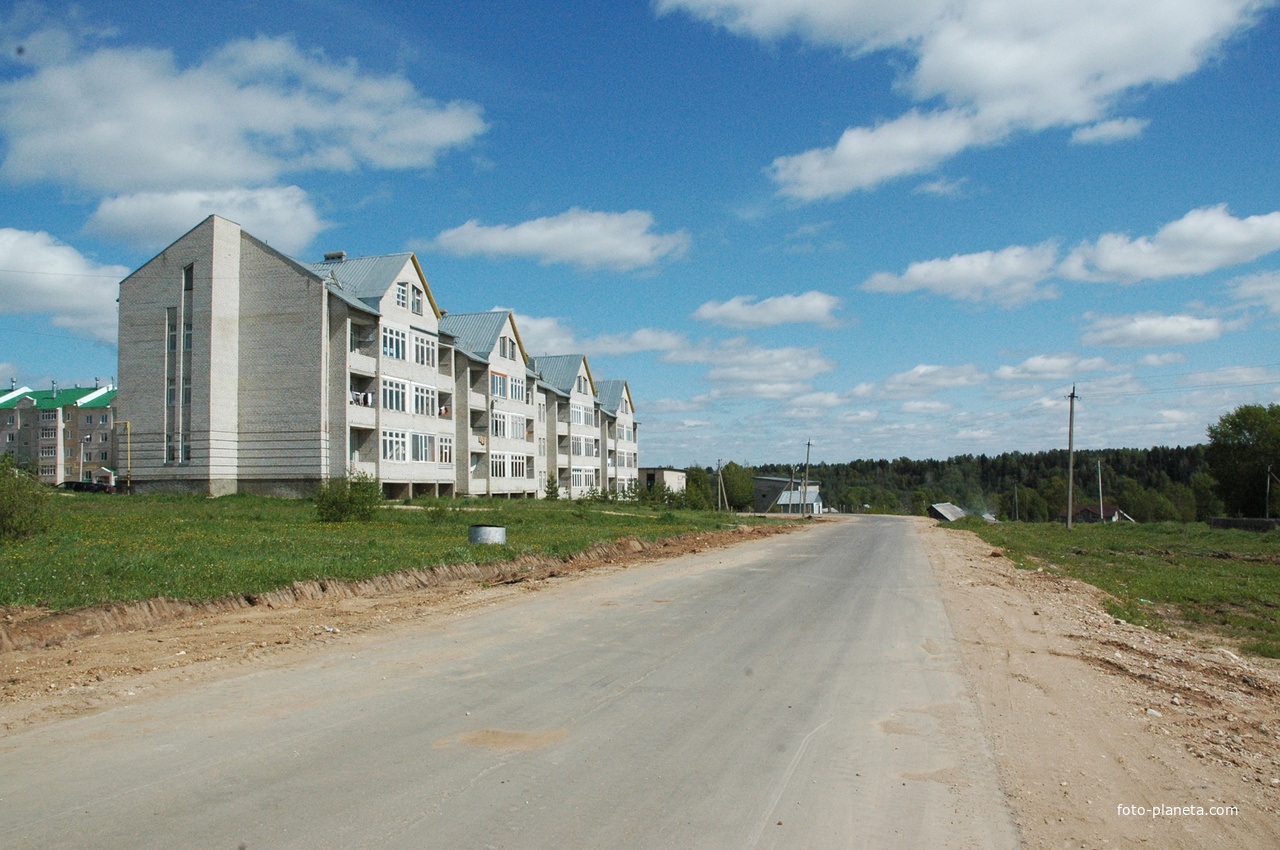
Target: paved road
{"x": 799, "y": 692}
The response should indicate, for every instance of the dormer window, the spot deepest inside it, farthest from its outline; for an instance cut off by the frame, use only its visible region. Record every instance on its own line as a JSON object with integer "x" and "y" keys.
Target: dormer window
{"x": 402, "y": 295}
{"x": 417, "y": 300}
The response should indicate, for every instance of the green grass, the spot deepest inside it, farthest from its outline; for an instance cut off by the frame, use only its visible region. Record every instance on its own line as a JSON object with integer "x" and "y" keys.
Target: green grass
{"x": 1169, "y": 576}
{"x": 114, "y": 548}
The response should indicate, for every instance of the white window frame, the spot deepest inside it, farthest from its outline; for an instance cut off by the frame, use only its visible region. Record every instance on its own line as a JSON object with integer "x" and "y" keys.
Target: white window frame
{"x": 423, "y": 448}
{"x": 393, "y": 395}
{"x": 498, "y": 424}
{"x": 497, "y": 385}
{"x": 402, "y": 295}
{"x": 394, "y": 446}
{"x": 424, "y": 401}
{"x": 416, "y": 298}
{"x": 393, "y": 343}
{"x": 444, "y": 450}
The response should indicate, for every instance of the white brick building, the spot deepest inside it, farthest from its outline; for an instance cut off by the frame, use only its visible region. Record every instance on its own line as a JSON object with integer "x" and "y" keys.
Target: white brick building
{"x": 244, "y": 370}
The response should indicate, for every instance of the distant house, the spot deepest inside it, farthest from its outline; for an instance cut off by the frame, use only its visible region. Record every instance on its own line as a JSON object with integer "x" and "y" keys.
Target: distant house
{"x": 785, "y": 496}
{"x": 1089, "y": 513}
{"x": 674, "y": 479}
{"x": 60, "y": 434}
{"x": 946, "y": 512}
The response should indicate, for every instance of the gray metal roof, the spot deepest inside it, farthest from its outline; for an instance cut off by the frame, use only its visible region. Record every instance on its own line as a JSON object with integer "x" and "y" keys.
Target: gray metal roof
{"x": 476, "y": 333}
{"x": 559, "y": 371}
{"x": 948, "y": 511}
{"x": 610, "y": 395}
{"x": 366, "y": 279}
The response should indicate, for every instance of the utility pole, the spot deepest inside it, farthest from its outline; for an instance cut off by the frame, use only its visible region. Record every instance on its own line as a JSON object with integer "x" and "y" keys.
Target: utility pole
{"x": 804, "y": 493}
{"x": 1102, "y": 509}
{"x": 1071, "y": 455}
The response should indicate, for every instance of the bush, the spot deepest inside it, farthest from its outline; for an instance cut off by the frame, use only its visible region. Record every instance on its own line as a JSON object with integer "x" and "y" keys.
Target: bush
{"x": 24, "y": 502}
{"x": 352, "y": 498}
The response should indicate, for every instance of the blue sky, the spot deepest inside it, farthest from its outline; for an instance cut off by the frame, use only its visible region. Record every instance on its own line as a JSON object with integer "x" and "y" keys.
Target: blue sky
{"x": 892, "y": 228}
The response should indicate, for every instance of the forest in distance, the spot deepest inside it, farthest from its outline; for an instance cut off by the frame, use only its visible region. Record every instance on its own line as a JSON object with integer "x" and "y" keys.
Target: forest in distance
{"x": 1150, "y": 485}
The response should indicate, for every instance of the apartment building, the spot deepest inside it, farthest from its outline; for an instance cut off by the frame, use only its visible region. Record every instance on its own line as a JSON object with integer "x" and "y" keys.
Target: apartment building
{"x": 245, "y": 370}
{"x": 498, "y": 396}
{"x": 399, "y": 390}
{"x": 620, "y": 443}
{"x": 61, "y": 434}
{"x": 573, "y": 418}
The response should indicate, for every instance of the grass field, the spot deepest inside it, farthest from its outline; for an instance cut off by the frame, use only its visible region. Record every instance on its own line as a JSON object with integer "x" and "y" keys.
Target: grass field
{"x": 113, "y": 548}
{"x": 1172, "y": 576}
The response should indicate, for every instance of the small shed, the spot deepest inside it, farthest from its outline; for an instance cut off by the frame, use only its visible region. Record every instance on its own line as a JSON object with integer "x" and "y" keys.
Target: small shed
{"x": 946, "y": 512}
{"x": 784, "y": 495}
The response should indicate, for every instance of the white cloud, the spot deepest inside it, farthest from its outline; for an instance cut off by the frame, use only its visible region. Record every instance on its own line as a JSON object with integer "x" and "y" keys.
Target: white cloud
{"x": 549, "y": 335}
{"x": 739, "y": 369}
{"x": 996, "y": 66}
{"x": 1167, "y": 359}
{"x": 583, "y": 238}
{"x": 1203, "y": 240}
{"x": 39, "y": 274}
{"x": 250, "y": 112}
{"x": 1233, "y": 376}
{"x": 1115, "y": 130}
{"x": 1051, "y": 367}
{"x": 1152, "y": 330}
{"x": 1260, "y": 289}
{"x": 926, "y": 407}
{"x": 864, "y": 157}
{"x": 743, "y": 311}
{"x": 944, "y": 187}
{"x": 928, "y": 379}
{"x": 1009, "y": 277}
{"x": 284, "y": 216}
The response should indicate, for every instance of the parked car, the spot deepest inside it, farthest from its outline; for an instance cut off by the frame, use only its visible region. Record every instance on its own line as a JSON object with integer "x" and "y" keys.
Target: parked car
{"x": 88, "y": 487}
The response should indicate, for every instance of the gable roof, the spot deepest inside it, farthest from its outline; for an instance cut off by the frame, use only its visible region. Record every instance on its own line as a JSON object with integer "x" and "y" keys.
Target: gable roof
{"x": 367, "y": 279}
{"x": 610, "y": 394}
{"x": 476, "y": 334}
{"x": 560, "y": 372}
{"x": 50, "y": 400}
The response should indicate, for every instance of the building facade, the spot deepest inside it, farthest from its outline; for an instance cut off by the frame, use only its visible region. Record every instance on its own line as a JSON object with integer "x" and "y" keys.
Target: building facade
{"x": 61, "y": 434}
{"x": 244, "y": 370}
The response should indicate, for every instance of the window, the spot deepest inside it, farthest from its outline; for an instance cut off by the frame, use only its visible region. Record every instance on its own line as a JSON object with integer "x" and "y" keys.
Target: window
{"x": 49, "y": 451}
{"x": 423, "y": 447}
{"x": 393, "y": 393}
{"x": 626, "y": 406}
{"x": 424, "y": 401}
{"x": 582, "y": 384}
{"x": 173, "y": 329}
{"x": 498, "y": 466}
{"x": 519, "y": 466}
{"x": 189, "y": 278}
{"x": 186, "y": 336}
{"x": 8, "y": 438}
{"x": 417, "y": 300}
{"x": 542, "y": 411}
{"x": 88, "y": 420}
{"x": 86, "y": 455}
{"x": 103, "y": 456}
{"x": 48, "y": 469}
{"x": 393, "y": 446}
{"x": 105, "y": 419}
{"x": 584, "y": 476}
{"x": 498, "y": 385}
{"x": 580, "y": 414}
{"x": 48, "y": 433}
{"x": 402, "y": 295}
{"x": 103, "y": 437}
{"x": 517, "y": 389}
{"x": 576, "y": 446}
{"x": 518, "y": 427}
{"x": 177, "y": 446}
{"x": 424, "y": 351}
{"x": 393, "y": 343}
{"x": 48, "y": 416}
{"x": 446, "y": 450}
{"x": 498, "y": 425}
{"x": 11, "y": 419}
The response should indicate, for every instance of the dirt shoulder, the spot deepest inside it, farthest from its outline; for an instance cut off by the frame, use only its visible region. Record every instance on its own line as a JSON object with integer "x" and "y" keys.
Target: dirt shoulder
{"x": 56, "y": 665}
{"x": 1108, "y": 734}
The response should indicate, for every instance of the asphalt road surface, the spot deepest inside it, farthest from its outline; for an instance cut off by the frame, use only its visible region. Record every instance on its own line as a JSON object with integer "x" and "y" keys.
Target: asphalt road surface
{"x": 803, "y": 691}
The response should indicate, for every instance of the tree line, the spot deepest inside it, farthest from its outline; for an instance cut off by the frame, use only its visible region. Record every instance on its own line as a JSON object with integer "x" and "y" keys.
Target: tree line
{"x": 1228, "y": 476}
